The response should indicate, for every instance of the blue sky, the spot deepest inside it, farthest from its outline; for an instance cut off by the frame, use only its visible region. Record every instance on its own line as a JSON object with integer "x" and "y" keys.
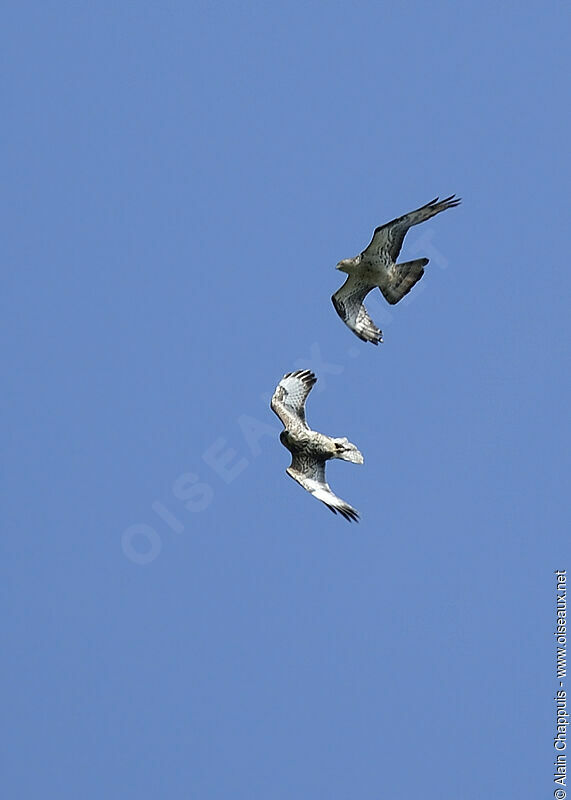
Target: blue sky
{"x": 180, "y": 181}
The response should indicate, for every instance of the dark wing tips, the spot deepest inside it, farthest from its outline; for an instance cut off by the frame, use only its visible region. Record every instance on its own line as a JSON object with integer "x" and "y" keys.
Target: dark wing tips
{"x": 370, "y": 334}
{"x": 304, "y": 375}
{"x": 348, "y": 512}
{"x": 450, "y": 202}
{"x": 447, "y": 202}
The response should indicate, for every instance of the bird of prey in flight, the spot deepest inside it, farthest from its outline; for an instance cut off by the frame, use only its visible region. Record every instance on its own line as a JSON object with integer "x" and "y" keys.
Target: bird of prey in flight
{"x": 376, "y": 266}
{"x": 310, "y": 450}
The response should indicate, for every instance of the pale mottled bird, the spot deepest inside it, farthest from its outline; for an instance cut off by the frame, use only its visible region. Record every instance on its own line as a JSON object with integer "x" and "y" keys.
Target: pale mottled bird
{"x": 376, "y": 267}
{"x": 310, "y": 450}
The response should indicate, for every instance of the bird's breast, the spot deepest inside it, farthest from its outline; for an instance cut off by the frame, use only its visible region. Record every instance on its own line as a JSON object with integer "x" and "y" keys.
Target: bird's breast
{"x": 309, "y": 442}
{"x": 374, "y": 270}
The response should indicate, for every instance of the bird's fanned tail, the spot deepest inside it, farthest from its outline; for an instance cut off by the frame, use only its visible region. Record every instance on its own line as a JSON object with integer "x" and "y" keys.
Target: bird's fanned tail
{"x": 402, "y": 278}
{"x": 347, "y": 451}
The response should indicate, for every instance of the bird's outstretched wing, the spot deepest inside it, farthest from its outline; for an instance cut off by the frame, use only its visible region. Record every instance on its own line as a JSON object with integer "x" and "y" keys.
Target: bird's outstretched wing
{"x": 310, "y": 473}
{"x": 348, "y": 302}
{"x": 390, "y": 236}
{"x": 288, "y": 401}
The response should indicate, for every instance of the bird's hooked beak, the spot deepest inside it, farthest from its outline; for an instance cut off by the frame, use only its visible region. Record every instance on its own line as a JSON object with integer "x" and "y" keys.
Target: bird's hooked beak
{"x": 342, "y": 265}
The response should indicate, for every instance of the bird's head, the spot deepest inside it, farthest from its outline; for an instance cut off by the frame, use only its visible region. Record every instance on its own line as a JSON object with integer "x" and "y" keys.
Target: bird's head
{"x": 345, "y": 265}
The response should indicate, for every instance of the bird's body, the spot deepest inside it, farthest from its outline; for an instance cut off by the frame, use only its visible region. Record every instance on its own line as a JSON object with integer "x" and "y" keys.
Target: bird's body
{"x": 377, "y": 266}
{"x": 310, "y": 450}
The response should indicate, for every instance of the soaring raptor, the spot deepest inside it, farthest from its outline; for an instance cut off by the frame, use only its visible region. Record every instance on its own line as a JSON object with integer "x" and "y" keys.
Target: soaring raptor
{"x": 310, "y": 450}
{"x": 376, "y": 266}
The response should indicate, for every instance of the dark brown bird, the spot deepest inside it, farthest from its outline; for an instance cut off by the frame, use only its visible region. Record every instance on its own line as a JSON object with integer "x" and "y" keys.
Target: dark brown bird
{"x": 376, "y": 267}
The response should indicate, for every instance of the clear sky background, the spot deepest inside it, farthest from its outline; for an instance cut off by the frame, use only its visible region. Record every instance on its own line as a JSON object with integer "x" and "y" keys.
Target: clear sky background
{"x": 180, "y": 180}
